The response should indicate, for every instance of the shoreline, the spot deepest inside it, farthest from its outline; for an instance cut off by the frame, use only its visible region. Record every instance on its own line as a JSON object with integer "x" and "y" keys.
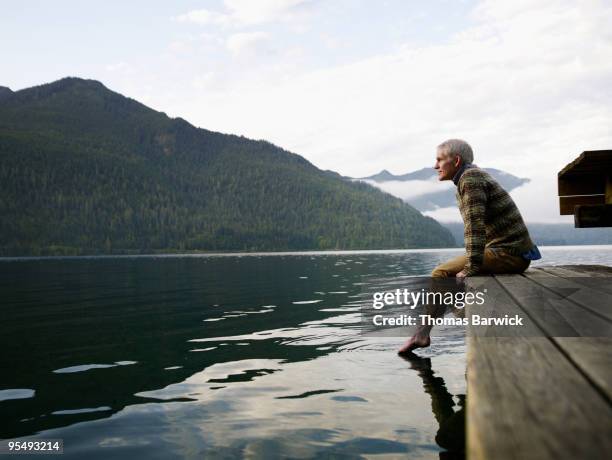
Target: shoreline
{"x": 280, "y": 253}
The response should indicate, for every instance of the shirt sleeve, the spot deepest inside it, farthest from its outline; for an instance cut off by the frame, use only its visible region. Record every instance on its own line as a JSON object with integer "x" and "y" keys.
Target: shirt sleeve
{"x": 475, "y": 198}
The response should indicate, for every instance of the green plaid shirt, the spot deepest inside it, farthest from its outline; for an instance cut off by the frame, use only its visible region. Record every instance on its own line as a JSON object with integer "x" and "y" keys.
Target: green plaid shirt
{"x": 490, "y": 216}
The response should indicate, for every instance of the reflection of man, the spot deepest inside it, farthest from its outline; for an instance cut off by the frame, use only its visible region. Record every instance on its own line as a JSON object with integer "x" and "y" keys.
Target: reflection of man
{"x": 451, "y": 432}
{"x": 496, "y": 238}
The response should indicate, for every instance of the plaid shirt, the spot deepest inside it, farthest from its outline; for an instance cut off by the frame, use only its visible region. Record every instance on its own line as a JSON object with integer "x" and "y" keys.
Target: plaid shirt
{"x": 490, "y": 216}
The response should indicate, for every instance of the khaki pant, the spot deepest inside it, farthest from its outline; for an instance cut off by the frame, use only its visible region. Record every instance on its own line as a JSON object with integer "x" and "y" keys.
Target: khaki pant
{"x": 495, "y": 261}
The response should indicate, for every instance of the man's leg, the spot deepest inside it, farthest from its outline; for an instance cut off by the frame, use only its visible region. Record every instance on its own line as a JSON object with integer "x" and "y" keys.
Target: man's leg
{"x": 499, "y": 261}
{"x": 449, "y": 268}
{"x": 494, "y": 261}
{"x": 421, "y": 338}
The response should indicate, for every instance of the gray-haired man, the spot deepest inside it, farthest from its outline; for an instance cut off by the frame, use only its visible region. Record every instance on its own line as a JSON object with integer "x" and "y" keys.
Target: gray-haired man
{"x": 496, "y": 238}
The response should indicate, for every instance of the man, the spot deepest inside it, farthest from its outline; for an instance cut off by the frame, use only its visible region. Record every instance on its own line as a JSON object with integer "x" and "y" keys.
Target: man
{"x": 496, "y": 238}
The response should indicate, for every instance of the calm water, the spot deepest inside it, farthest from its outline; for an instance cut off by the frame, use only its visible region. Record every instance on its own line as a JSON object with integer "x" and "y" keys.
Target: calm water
{"x": 255, "y": 356}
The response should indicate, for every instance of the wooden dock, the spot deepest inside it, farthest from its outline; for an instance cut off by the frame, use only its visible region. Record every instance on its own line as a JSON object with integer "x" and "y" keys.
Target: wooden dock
{"x": 545, "y": 393}
{"x": 585, "y": 189}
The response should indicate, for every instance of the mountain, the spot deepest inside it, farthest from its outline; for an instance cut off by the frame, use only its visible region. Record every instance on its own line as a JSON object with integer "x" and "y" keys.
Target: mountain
{"x": 5, "y": 92}
{"x": 423, "y": 199}
{"x": 382, "y": 176}
{"x": 85, "y": 170}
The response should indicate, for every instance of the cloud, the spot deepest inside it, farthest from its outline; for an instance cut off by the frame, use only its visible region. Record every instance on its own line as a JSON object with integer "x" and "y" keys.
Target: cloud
{"x": 248, "y": 12}
{"x": 249, "y": 43}
{"x": 450, "y": 214}
{"x": 119, "y": 67}
{"x": 207, "y": 81}
{"x": 204, "y": 17}
{"x": 536, "y": 200}
{"x": 411, "y": 189}
{"x": 195, "y": 44}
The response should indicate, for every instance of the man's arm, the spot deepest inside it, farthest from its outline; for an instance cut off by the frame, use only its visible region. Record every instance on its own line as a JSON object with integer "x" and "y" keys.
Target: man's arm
{"x": 474, "y": 201}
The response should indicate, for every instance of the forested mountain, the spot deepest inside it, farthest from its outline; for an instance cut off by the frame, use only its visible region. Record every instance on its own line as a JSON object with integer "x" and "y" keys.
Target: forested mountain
{"x": 84, "y": 170}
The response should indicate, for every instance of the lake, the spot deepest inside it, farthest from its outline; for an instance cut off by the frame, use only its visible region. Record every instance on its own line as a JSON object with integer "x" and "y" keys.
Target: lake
{"x": 223, "y": 356}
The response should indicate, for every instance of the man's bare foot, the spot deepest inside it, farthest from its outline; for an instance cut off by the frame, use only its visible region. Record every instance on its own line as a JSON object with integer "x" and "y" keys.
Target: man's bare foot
{"x": 413, "y": 343}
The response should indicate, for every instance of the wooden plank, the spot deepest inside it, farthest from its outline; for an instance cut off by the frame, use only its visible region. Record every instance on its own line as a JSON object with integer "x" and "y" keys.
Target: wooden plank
{"x": 592, "y": 270}
{"x": 593, "y": 356}
{"x": 590, "y": 327}
{"x": 497, "y": 304}
{"x": 590, "y": 216}
{"x": 590, "y": 161}
{"x": 526, "y": 400}
{"x": 579, "y": 186}
{"x": 584, "y": 278}
{"x": 550, "y": 385}
{"x": 568, "y": 203}
{"x": 597, "y": 301}
{"x": 551, "y": 312}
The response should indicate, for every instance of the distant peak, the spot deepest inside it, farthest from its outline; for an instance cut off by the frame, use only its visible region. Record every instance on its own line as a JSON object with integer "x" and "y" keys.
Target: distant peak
{"x": 382, "y": 176}
{"x": 5, "y": 92}
{"x": 66, "y": 83}
{"x": 72, "y": 81}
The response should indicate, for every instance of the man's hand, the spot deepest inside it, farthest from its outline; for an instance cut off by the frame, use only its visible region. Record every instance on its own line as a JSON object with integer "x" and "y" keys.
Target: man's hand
{"x": 461, "y": 274}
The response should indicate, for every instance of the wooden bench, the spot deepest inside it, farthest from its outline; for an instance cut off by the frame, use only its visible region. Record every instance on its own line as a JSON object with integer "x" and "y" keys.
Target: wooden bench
{"x": 545, "y": 393}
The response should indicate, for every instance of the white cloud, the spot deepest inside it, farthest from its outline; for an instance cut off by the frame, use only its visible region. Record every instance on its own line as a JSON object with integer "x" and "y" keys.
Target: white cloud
{"x": 207, "y": 81}
{"x": 536, "y": 200}
{"x": 120, "y": 67}
{"x": 256, "y": 12}
{"x": 204, "y": 17}
{"x": 249, "y": 43}
{"x": 247, "y": 12}
{"x": 412, "y": 188}
{"x": 450, "y": 214}
{"x": 195, "y": 44}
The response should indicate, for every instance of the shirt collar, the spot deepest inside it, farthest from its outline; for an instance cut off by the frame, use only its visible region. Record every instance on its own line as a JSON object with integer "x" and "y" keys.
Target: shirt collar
{"x": 460, "y": 172}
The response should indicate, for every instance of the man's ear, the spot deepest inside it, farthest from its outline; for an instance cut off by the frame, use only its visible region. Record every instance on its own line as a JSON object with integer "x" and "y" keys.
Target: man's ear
{"x": 457, "y": 161}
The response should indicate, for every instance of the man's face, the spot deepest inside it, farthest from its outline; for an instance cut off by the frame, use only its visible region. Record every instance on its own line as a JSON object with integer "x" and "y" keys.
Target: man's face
{"x": 446, "y": 166}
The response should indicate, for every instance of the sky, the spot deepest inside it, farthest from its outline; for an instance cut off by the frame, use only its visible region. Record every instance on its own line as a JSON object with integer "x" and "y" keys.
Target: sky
{"x": 354, "y": 86}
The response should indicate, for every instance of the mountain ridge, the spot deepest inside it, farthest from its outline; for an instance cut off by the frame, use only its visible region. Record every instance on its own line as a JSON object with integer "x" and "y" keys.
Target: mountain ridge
{"x": 432, "y": 200}
{"x": 428, "y": 173}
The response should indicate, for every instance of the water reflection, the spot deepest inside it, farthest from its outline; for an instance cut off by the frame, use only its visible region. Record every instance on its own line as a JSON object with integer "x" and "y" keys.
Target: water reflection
{"x": 451, "y": 423}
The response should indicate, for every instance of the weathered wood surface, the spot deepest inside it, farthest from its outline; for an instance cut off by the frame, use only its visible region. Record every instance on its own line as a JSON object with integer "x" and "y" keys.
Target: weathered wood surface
{"x": 591, "y": 298}
{"x": 585, "y": 189}
{"x": 590, "y": 279}
{"x": 567, "y": 204}
{"x": 590, "y": 216}
{"x": 589, "y": 163}
{"x": 546, "y": 392}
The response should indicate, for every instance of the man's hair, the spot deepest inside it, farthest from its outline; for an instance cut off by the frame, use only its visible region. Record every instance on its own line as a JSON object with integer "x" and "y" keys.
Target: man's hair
{"x": 458, "y": 147}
